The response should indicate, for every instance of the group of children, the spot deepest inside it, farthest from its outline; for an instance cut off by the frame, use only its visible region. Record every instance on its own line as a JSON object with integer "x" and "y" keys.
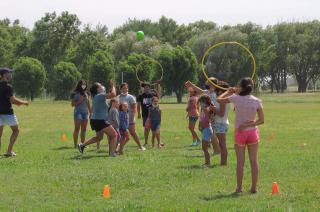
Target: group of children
{"x": 213, "y": 122}
{"x": 110, "y": 115}
{"x": 214, "y": 106}
{"x": 114, "y": 116}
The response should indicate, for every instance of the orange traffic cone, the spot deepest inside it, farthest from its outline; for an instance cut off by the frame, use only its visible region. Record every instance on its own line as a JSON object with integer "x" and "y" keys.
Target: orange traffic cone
{"x": 275, "y": 188}
{"x": 64, "y": 137}
{"x": 106, "y": 192}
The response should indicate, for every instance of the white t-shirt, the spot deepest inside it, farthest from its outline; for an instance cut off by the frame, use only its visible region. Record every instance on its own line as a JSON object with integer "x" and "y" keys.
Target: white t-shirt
{"x": 223, "y": 119}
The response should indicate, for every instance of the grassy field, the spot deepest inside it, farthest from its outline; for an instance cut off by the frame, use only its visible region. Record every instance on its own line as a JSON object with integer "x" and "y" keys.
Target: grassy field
{"x": 48, "y": 175}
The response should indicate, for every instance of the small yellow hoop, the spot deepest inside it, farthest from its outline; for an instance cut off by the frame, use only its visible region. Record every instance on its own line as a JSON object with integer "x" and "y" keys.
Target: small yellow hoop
{"x": 148, "y": 61}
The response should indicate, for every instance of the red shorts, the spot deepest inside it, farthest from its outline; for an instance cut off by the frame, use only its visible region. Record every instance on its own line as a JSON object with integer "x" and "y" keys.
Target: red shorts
{"x": 247, "y": 137}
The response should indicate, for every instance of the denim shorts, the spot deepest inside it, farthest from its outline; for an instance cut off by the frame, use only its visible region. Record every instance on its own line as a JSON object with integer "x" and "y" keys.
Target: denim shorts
{"x": 220, "y": 128}
{"x": 207, "y": 134}
{"x": 155, "y": 125}
{"x": 78, "y": 115}
{"x": 193, "y": 119}
{"x": 10, "y": 120}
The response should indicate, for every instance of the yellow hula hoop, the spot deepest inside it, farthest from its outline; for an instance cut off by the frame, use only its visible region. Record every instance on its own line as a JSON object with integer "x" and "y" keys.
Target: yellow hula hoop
{"x": 226, "y": 43}
{"x": 148, "y": 61}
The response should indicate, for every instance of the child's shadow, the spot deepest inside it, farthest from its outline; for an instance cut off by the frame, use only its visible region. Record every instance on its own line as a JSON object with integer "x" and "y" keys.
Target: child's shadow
{"x": 196, "y": 167}
{"x": 221, "y": 196}
{"x": 63, "y": 148}
{"x": 87, "y": 157}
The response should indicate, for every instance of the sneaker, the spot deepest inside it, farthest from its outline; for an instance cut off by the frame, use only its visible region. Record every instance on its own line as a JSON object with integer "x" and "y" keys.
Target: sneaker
{"x": 81, "y": 148}
{"x": 145, "y": 145}
{"x": 198, "y": 143}
{"x": 114, "y": 155}
{"x": 194, "y": 143}
{"x": 142, "y": 148}
{"x": 11, "y": 154}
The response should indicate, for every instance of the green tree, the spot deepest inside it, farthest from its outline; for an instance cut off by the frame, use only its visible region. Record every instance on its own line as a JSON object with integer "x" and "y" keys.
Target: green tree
{"x": 180, "y": 64}
{"x": 29, "y": 77}
{"x": 63, "y": 79}
{"x": 227, "y": 62}
{"x": 52, "y": 37}
{"x": 127, "y": 68}
{"x": 85, "y": 45}
{"x": 12, "y": 37}
{"x": 101, "y": 67}
{"x": 149, "y": 28}
{"x": 304, "y": 53}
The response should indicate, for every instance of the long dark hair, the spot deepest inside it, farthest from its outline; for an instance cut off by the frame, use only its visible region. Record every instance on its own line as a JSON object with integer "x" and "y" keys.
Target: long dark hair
{"x": 205, "y": 99}
{"x": 94, "y": 89}
{"x": 78, "y": 89}
{"x": 246, "y": 85}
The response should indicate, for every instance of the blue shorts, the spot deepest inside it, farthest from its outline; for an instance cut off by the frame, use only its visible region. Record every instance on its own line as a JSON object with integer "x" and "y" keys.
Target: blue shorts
{"x": 10, "y": 120}
{"x": 220, "y": 128}
{"x": 193, "y": 119}
{"x": 155, "y": 125}
{"x": 78, "y": 115}
{"x": 207, "y": 133}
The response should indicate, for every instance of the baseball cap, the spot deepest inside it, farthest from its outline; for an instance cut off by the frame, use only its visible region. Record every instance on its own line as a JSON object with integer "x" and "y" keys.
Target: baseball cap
{"x": 5, "y": 70}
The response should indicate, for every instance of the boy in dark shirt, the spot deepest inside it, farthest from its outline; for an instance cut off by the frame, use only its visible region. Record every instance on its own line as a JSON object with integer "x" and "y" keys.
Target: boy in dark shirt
{"x": 7, "y": 116}
{"x": 145, "y": 102}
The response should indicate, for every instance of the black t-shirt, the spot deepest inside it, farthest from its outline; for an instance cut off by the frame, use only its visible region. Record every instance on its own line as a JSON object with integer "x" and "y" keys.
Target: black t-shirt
{"x": 6, "y": 92}
{"x": 146, "y": 101}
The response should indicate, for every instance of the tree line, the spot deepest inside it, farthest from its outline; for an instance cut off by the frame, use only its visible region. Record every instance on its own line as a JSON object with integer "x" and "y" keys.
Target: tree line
{"x": 59, "y": 50}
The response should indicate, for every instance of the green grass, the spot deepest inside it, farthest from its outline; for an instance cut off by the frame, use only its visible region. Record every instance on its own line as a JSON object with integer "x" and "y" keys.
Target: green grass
{"x": 48, "y": 175}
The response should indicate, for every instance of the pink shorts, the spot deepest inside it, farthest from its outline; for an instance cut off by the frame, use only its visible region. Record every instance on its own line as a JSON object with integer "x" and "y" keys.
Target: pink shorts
{"x": 247, "y": 137}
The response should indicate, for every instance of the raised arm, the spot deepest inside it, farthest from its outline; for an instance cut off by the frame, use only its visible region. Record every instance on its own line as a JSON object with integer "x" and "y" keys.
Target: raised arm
{"x": 224, "y": 98}
{"x": 198, "y": 90}
{"x": 112, "y": 93}
{"x": 158, "y": 89}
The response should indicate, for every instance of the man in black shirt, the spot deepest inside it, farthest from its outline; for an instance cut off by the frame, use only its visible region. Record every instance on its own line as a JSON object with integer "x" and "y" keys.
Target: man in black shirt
{"x": 7, "y": 116}
{"x": 144, "y": 102}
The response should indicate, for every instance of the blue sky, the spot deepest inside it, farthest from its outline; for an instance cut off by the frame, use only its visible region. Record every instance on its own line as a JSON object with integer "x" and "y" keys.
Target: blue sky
{"x": 114, "y": 13}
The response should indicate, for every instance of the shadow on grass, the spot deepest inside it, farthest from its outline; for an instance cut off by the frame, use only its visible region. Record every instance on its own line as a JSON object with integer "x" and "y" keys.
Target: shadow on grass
{"x": 63, "y": 148}
{"x": 87, "y": 157}
{"x": 193, "y": 156}
{"x": 196, "y": 167}
{"x": 221, "y": 196}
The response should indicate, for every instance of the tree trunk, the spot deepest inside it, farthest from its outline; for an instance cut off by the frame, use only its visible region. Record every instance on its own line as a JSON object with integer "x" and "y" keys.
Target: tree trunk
{"x": 179, "y": 96}
{"x": 302, "y": 84}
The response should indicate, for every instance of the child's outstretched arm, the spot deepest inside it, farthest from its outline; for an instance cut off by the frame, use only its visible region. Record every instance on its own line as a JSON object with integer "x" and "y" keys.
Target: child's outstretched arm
{"x": 198, "y": 90}
{"x": 17, "y": 101}
{"x": 224, "y": 98}
{"x": 158, "y": 89}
